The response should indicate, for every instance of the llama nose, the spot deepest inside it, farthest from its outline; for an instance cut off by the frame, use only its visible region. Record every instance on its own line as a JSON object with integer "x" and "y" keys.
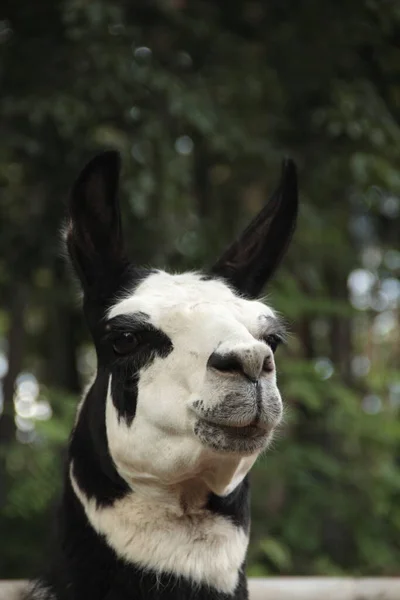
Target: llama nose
{"x": 250, "y": 361}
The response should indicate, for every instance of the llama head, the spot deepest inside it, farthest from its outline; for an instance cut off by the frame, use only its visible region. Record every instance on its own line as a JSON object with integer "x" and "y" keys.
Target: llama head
{"x": 186, "y": 361}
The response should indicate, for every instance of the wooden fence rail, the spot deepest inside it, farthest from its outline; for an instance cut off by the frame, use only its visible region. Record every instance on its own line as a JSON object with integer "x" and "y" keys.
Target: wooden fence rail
{"x": 288, "y": 588}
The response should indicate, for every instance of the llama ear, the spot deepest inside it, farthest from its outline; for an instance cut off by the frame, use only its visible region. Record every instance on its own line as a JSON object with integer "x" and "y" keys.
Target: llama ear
{"x": 94, "y": 235}
{"x": 252, "y": 259}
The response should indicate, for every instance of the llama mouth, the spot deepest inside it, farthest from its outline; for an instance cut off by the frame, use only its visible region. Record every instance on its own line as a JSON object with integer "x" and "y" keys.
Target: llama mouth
{"x": 226, "y": 438}
{"x": 238, "y": 430}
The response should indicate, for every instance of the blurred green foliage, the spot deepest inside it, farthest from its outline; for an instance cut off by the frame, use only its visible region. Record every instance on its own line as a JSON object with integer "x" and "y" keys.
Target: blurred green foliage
{"x": 203, "y": 99}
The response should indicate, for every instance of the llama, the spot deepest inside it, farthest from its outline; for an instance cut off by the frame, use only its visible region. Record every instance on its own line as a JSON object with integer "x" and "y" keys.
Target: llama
{"x": 156, "y": 493}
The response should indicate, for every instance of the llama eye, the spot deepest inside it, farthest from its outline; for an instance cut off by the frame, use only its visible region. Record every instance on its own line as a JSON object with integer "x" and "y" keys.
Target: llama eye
{"x": 272, "y": 341}
{"x": 125, "y": 343}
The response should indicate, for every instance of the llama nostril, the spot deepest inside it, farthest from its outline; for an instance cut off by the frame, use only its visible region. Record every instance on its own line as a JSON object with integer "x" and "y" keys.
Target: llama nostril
{"x": 232, "y": 363}
{"x": 250, "y": 363}
{"x": 225, "y": 363}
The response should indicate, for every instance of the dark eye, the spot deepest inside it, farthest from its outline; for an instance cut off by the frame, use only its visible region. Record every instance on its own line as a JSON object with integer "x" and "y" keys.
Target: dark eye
{"x": 273, "y": 341}
{"x": 125, "y": 343}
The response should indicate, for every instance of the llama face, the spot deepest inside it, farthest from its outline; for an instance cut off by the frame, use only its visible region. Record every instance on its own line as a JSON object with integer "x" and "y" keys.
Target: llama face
{"x": 187, "y": 362}
{"x": 193, "y": 372}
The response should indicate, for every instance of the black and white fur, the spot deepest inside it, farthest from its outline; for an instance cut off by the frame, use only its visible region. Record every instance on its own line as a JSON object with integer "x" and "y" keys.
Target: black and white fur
{"x": 156, "y": 494}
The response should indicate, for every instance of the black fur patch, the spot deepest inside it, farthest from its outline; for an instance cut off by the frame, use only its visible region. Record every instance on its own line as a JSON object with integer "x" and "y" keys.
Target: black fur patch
{"x": 235, "y": 506}
{"x": 93, "y": 466}
{"x": 125, "y": 370}
{"x": 124, "y": 391}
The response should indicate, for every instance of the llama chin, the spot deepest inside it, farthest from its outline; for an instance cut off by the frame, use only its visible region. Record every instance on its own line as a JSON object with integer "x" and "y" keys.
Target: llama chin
{"x": 156, "y": 494}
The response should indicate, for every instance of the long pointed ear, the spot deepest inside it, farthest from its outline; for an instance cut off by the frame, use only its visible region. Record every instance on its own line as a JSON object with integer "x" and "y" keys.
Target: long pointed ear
{"x": 94, "y": 235}
{"x": 252, "y": 259}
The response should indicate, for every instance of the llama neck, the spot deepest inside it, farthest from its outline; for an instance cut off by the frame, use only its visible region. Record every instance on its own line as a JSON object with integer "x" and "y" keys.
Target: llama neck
{"x": 194, "y": 543}
{"x": 90, "y": 567}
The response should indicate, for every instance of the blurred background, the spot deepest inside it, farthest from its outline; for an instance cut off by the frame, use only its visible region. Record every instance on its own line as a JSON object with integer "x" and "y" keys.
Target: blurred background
{"x": 203, "y": 99}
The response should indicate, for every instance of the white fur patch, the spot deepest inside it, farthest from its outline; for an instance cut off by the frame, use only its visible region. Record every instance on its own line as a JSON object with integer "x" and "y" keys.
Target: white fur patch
{"x": 158, "y": 534}
{"x": 162, "y": 292}
{"x": 151, "y": 453}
